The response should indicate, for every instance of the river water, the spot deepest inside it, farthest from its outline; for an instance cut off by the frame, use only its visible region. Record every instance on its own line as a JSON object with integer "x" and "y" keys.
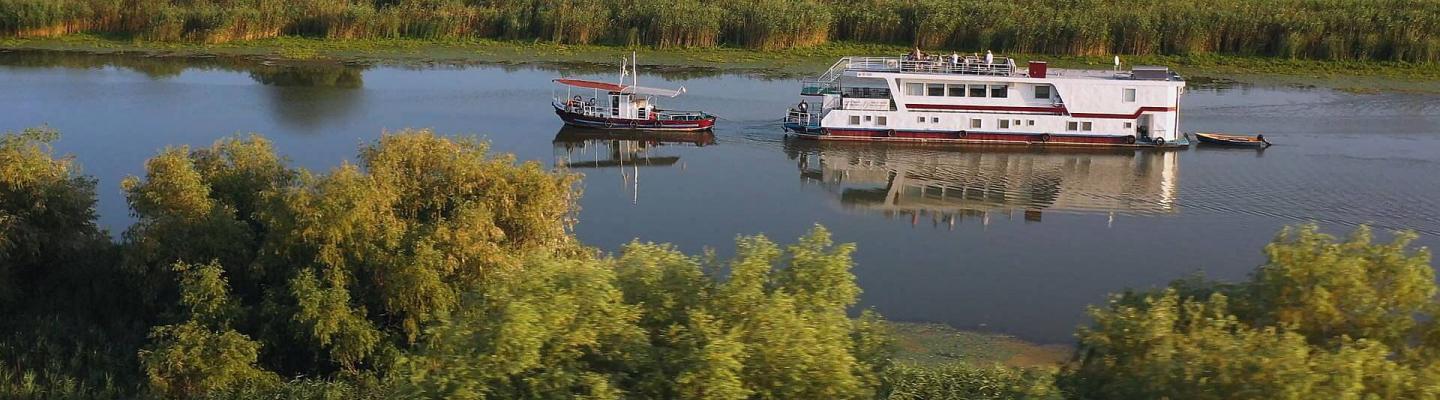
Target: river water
{"x": 995, "y": 239}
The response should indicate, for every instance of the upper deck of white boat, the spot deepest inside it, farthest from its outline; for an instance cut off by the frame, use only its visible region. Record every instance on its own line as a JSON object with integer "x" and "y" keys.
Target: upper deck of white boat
{"x": 997, "y": 68}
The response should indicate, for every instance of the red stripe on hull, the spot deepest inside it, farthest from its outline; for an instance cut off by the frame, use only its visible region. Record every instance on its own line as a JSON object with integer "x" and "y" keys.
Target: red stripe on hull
{"x": 633, "y": 124}
{"x": 1135, "y": 115}
{"x": 971, "y": 137}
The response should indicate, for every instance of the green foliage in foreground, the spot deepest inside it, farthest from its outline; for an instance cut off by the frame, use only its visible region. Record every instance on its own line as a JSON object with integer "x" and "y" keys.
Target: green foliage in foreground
{"x": 430, "y": 269}
{"x": 1321, "y": 319}
{"x": 433, "y": 269}
{"x": 965, "y": 382}
{"x": 1397, "y": 30}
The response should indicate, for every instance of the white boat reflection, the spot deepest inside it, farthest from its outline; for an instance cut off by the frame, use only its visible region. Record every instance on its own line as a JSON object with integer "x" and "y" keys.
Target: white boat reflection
{"x": 945, "y": 185}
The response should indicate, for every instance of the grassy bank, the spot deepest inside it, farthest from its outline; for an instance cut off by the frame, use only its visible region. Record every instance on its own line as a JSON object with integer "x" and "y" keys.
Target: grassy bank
{"x": 1401, "y": 30}
{"x": 1363, "y": 75}
{"x": 930, "y": 345}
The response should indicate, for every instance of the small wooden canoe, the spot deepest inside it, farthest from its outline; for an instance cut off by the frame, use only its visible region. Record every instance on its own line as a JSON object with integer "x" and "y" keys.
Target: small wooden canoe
{"x": 1220, "y": 139}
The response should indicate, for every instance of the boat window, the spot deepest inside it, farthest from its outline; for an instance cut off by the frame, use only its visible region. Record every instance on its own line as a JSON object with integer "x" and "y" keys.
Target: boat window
{"x": 614, "y": 105}
{"x": 935, "y": 89}
{"x": 1085, "y": 126}
{"x": 1072, "y": 126}
{"x": 640, "y": 113}
{"x": 934, "y": 120}
{"x": 867, "y": 118}
{"x": 977, "y": 90}
{"x": 920, "y": 119}
{"x": 1042, "y": 92}
{"x": 999, "y": 91}
{"x": 956, "y": 90}
{"x": 854, "y": 120}
{"x": 880, "y": 121}
{"x": 1129, "y": 125}
{"x": 914, "y": 89}
{"x": 1129, "y": 95}
{"x": 974, "y": 123}
{"x": 1004, "y": 124}
{"x": 1029, "y": 122}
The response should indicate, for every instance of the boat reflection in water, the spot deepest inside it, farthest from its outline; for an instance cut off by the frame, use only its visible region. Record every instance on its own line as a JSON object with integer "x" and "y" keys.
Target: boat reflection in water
{"x": 627, "y": 151}
{"x": 947, "y": 185}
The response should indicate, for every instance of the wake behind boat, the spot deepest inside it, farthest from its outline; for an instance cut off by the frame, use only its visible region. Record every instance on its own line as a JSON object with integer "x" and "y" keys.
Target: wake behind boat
{"x": 624, "y": 106}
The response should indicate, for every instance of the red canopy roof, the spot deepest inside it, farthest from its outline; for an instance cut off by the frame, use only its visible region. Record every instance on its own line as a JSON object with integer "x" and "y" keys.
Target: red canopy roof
{"x": 609, "y": 87}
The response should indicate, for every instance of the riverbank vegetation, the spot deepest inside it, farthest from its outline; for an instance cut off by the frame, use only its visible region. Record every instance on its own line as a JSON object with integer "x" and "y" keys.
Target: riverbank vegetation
{"x": 161, "y": 59}
{"x": 1396, "y": 30}
{"x": 433, "y": 267}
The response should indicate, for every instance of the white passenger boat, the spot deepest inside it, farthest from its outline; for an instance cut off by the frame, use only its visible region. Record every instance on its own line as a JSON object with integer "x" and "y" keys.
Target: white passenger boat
{"x": 987, "y": 100}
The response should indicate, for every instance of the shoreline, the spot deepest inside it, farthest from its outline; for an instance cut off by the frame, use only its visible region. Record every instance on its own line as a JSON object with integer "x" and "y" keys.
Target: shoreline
{"x": 1201, "y": 70}
{"x": 930, "y": 344}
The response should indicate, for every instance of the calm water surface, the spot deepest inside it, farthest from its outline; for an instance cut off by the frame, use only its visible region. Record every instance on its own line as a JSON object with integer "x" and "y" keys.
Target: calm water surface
{"x": 1005, "y": 240}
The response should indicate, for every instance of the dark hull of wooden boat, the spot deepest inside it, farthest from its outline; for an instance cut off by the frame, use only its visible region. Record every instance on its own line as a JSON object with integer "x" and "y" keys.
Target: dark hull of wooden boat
{"x": 963, "y": 137}
{"x": 585, "y": 121}
{"x": 1219, "y": 141}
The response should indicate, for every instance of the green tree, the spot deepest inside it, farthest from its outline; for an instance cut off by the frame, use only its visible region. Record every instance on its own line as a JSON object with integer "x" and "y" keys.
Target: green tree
{"x": 201, "y": 206}
{"x": 47, "y": 219}
{"x": 69, "y": 328}
{"x": 203, "y": 354}
{"x": 557, "y": 330}
{"x": 1327, "y": 289}
{"x": 1320, "y": 319}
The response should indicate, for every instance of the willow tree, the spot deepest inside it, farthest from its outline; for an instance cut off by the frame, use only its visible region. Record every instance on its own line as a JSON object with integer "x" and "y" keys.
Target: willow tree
{"x": 1320, "y": 319}
{"x": 656, "y": 323}
{"x": 68, "y": 319}
{"x": 202, "y": 355}
{"x": 331, "y": 269}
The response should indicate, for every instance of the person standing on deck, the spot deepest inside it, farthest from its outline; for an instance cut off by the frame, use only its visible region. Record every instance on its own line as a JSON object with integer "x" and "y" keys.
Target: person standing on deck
{"x": 989, "y": 57}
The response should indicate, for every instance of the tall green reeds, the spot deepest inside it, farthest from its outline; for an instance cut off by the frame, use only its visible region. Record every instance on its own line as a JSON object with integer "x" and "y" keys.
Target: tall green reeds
{"x": 1401, "y": 30}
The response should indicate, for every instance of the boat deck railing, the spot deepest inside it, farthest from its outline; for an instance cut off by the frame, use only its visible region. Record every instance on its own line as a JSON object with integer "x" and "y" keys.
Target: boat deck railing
{"x": 829, "y": 81}
{"x": 962, "y": 65}
{"x": 802, "y": 118}
{"x": 672, "y": 115}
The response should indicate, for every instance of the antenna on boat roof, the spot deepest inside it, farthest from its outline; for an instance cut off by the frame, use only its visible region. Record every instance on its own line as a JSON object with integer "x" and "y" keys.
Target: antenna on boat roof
{"x": 623, "y": 71}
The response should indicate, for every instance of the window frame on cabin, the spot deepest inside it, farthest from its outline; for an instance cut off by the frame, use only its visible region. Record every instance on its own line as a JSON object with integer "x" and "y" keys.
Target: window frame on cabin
{"x": 999, "y": 91}
{"x": 930, "y": 89}
{"x": 914, "y": 88}
{"x": 950, "y": 90}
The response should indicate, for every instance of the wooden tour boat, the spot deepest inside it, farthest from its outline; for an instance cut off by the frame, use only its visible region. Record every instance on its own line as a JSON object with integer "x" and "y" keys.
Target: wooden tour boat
{"x": 624, "y": 106}
{"x": 1220, "y": 139}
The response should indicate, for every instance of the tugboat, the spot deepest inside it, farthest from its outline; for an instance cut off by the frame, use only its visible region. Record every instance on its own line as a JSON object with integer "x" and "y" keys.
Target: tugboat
{"x": 624, "y": 106}
{"x": 986, "y": 99}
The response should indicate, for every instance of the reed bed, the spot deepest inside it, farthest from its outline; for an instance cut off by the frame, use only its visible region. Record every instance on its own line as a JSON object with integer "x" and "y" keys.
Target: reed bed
{"x": 1397, "y": 30}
